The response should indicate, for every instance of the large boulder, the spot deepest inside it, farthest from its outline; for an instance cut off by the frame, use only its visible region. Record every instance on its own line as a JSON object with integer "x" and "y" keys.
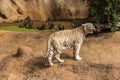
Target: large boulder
{"x": 12, "y": 10}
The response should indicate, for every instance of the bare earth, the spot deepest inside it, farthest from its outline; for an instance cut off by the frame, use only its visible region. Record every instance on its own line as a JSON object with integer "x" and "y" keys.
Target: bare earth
{"x": 100, "y": 58}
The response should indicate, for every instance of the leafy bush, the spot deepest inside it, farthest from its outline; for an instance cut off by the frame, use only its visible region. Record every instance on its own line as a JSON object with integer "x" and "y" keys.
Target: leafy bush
{"x": 105, "y": 12}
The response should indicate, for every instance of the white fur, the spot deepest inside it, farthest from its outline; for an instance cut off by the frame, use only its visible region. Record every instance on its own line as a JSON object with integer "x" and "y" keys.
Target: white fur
{"x": 61, "y": 40}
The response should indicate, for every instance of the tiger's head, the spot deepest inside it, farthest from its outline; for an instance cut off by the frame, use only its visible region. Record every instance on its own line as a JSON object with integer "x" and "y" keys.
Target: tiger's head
{"x": 88, "y": 28}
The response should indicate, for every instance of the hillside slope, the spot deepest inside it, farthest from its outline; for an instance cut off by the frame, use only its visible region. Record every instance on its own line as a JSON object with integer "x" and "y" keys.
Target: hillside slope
{"x": 100, "y": 58}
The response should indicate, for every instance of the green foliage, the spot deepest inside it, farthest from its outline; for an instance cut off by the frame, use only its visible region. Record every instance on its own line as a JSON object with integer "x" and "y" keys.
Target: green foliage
{"x": 105, "y": 11}
{"x": 113, "y": 29}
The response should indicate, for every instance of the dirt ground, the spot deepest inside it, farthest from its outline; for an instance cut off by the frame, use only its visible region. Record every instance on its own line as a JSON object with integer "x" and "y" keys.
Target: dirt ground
{"x": 100, "y": 58}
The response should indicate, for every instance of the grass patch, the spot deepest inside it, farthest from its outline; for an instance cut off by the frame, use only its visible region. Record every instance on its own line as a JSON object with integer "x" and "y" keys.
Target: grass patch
{"x": 17, "y": 29}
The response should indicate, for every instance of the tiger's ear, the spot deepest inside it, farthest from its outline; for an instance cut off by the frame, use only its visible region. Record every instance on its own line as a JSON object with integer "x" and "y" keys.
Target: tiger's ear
{"x": 84, "y": 27}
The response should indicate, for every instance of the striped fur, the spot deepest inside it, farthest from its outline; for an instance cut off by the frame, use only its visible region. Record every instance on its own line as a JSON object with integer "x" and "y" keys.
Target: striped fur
{"x": 61, "y": 40}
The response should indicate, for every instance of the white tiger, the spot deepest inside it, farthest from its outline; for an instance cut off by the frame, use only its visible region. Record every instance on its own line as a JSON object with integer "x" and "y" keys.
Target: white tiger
{"x": 61, "y": 40}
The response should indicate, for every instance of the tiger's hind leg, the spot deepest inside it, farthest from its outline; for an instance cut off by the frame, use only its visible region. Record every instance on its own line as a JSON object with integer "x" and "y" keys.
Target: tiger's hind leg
{"x": 50, "y": 55}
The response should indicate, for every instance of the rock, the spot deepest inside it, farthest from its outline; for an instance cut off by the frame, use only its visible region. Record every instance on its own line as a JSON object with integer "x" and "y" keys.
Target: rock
{"x": 60, "y": 27}
{"x": 41, "y": 27}
{"x": 75, "y": 24}
{"x": 51, "y": 26}
{"x": 27, "y": 23}
{"x": 25, "y": 53}
{"x": 12, "y": 10}
{"x": 118, "y": 24}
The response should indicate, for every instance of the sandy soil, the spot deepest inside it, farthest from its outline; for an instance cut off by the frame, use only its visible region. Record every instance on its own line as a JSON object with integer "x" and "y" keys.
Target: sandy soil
{"x": 100, "y": 58}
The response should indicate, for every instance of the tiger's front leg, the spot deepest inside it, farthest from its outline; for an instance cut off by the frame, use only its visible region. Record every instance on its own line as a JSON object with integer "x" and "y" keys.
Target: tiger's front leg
{"x": 76, "y": 50}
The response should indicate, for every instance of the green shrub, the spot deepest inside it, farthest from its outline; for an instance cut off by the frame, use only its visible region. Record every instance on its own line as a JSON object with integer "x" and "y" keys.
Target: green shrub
{"x": 105, "y": 12}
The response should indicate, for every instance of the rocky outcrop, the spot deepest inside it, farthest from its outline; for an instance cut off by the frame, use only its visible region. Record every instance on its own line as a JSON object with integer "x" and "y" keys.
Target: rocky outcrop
{"x": 12, "y": 10}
